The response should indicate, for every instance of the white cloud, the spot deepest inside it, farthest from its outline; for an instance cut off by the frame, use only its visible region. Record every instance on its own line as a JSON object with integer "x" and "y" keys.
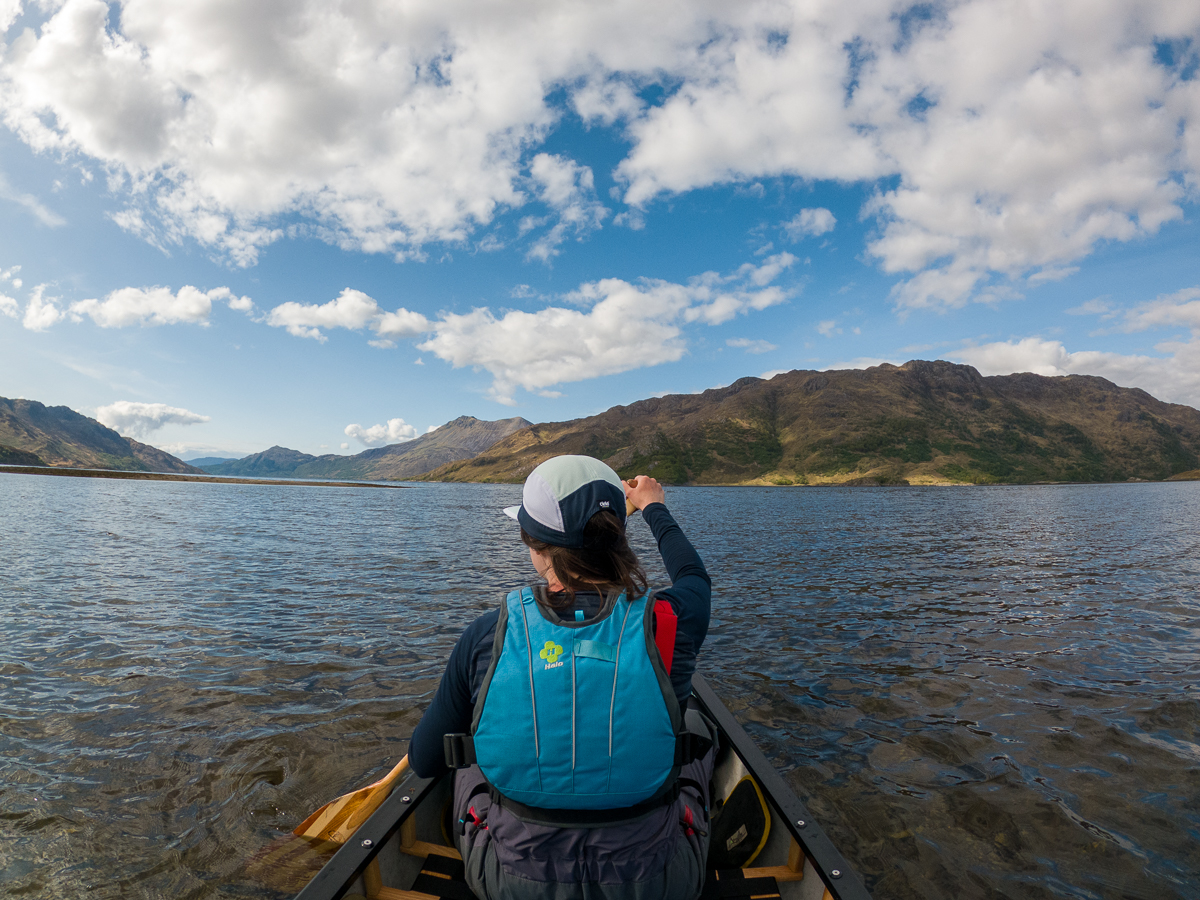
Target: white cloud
{"x": 350, "y": 309}
{"x": 46, "y": 216}
{"x": 1019, "y": 136}
{"x": 140, "y": 419}
{"x": 1098, "y": 306}
{"x": 1013, "y": 138}
{"x": 861, "y": 362}
{"x": 345, "y": 446}
{"x": 394, "y": 432}
{"x": 751, "y": 346}
{"x": 569, "y": 189}
{"x": 1052, "y": 130}
{"x": 156, "y": 306}
{"x": 606, "y": 100}
{"x": 625, "y": 326}
{"x": 828, "y": 328}
{"x": 432, "y": 428}
{"x": 810, "y": 222}
{"x": 401, "y": 323}
{"x": 385, "y": 126}
{"x": 42, "y": 312}
{"x": 8, "y": 305}
{"x": 1174, "y": 377}
{"x": 9, "y": 10}
{"x": 241, "y": 304}
{"x": 1180, "y": 308}
{"x": 771, "y": 268}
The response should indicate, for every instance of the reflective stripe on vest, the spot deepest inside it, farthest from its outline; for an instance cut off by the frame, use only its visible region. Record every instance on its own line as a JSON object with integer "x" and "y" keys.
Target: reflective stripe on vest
{"x": 574, "y": 717}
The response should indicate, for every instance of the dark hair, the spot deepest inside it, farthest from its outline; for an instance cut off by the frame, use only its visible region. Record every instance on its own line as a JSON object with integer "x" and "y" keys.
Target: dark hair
{"x": 605, "y": 561}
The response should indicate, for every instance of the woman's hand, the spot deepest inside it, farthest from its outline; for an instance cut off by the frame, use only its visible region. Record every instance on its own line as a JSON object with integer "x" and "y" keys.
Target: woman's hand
{"x": 643, "y": 490}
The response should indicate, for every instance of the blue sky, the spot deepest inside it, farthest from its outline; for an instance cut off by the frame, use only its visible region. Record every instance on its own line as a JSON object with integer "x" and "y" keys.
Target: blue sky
{"x": 331, "y": 226}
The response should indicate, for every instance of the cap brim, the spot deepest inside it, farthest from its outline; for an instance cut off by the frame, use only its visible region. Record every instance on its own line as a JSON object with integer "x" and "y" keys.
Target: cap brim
{"x": 511, "y": 511}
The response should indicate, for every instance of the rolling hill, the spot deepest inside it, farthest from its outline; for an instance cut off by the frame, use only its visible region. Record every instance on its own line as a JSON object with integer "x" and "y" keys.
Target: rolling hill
{"x": 59, "y": 436}
{"x": 920, "y": 423}
{"x": 460, "y": 439}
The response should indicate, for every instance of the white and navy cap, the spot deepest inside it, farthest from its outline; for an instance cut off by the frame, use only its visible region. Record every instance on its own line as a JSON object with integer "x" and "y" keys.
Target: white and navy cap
{"x": 562, "y": 494}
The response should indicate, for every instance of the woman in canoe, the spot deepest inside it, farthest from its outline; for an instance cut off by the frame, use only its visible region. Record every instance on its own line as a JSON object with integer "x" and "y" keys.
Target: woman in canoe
{"x": 581, "y": 771}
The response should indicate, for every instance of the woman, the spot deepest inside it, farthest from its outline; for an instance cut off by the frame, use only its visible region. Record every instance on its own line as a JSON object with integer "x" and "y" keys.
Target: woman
{"x": 565, "y": 708}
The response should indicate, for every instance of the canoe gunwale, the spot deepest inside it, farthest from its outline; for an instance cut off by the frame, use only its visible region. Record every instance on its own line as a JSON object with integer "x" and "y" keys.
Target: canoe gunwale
{"x": 350, "y": 861}
{"x": 820, "y": 851}
{"x": 352, "y": 858}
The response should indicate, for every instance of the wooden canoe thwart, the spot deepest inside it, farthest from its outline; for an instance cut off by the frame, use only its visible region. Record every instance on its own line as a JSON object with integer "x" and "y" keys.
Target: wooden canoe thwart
{"x": 393, "y": 843}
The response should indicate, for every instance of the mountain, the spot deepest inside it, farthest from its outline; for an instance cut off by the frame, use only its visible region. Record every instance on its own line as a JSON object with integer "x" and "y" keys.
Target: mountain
{"x": 920, "y": 423}
{"x": 461, "y": 439}
{"x": 276, "y": 462}
{"x": 59, "y": 436}
{"x": 10, "y": 456}
{"x": 201, "y": 461}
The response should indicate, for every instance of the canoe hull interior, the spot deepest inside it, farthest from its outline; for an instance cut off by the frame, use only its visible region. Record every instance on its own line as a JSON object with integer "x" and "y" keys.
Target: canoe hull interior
{"x": 414, "y": 831}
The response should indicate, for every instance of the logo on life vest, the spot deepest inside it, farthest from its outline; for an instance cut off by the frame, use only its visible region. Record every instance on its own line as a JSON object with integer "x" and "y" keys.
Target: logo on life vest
{"x": 550, "y": 653}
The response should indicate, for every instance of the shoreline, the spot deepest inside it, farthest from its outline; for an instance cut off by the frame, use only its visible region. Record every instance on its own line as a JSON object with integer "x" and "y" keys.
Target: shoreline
{"x": 1193, "y": 475}
{"x": 173, "y": 476}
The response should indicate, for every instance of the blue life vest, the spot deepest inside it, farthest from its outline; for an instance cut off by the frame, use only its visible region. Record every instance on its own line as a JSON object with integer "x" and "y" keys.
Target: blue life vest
{"x": 575, "y": 715}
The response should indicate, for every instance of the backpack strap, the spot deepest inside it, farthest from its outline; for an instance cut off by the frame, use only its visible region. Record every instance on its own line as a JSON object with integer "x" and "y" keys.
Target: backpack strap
{"x": 665, "y": 625}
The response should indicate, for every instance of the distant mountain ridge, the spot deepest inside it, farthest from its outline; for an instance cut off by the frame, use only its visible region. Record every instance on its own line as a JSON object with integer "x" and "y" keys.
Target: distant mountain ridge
{"x": 460, "y": 439}
{"x": 923, "y": 422}
{"x": 201, "y": 461}
{"x": 59, "y": 436}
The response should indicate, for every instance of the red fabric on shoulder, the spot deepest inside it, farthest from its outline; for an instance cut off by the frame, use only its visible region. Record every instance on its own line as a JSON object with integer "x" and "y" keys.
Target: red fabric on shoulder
{"x": 665, "y": 624}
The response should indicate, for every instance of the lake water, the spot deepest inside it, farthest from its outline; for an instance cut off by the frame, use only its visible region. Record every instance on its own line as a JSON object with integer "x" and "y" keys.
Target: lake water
{"x": 980, "y": 692}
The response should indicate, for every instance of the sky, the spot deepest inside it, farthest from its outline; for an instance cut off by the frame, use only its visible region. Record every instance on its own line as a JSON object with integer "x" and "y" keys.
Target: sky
{"x": 334, "y": 225}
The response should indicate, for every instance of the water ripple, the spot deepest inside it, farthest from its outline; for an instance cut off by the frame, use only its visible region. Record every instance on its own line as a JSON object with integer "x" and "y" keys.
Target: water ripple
{"x": 981, "y": 693}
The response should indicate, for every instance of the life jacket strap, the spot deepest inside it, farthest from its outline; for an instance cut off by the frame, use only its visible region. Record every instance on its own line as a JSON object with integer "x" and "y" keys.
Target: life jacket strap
{"x": 666, "y": 623}
{"x": 690, "y": 747}
{"x": 586, "y": 818}
{"x": 459, "y": 750}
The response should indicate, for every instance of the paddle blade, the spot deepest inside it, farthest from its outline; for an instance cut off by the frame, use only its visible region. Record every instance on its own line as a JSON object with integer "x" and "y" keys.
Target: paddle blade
{"x": 290, "y": 862}
{"x": 340, "y": 818}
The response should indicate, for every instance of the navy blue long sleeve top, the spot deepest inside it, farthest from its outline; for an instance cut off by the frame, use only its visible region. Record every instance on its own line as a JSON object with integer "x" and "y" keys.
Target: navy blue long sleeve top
{"x": 453, "y": 706}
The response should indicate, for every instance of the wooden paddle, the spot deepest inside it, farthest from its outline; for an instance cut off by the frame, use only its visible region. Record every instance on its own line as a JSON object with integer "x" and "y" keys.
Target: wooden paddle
{"x": 290, "y": 861}
{"x": 630, "y": 509}
{"x": 340, "y": 818}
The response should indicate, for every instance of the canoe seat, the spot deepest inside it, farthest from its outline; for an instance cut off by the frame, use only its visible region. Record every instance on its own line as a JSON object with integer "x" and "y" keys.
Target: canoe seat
{"x": 441, "y": 878}
{"x": 732, "y": 884}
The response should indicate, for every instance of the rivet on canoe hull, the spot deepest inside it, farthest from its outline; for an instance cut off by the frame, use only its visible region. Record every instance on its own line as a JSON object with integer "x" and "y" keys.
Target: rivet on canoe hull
{"x": 836, "y": 873}
{"x": 405, "y": 799}
{"x": 801, "y": 822}
{"x": 367, "y": 842}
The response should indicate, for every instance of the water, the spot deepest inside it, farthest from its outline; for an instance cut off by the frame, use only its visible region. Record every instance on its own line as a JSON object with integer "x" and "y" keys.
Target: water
{"x": 980, "y": 692}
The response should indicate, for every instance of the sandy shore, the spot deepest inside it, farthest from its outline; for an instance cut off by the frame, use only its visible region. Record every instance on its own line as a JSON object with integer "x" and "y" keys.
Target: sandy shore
{"x": 170, "y": 476}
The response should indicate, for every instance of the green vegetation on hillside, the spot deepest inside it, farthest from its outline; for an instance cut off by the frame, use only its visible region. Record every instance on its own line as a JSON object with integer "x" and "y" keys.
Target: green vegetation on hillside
{"x": 923, "y": 422}
{"x": 11, "y": 456}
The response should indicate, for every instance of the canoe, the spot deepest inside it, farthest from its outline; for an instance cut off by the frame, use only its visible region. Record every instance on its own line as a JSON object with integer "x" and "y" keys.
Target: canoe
{"x": 764, "y": 843}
